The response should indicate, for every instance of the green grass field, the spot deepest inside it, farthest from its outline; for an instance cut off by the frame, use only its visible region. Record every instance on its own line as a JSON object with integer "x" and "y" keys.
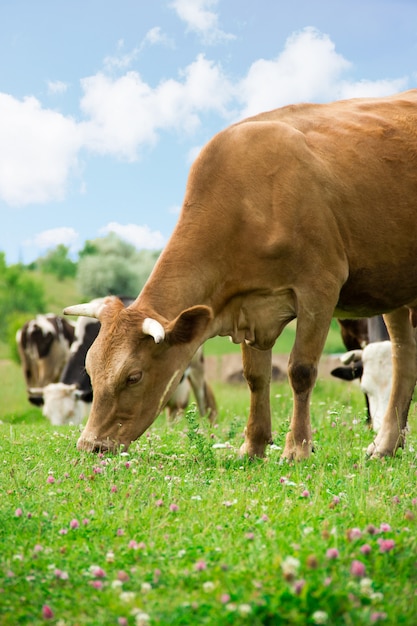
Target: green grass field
{"x": 181, "y": 531}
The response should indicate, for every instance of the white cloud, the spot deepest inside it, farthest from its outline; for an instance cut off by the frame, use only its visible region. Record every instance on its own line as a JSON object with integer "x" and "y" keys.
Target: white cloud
{"x": 123, "y": 60}
{"x": 120, "y": 112}
{"x": 54, "y": 237}
{"x": 126, "y": 113}
{"x": 156, "y": 36}
{"x": 142, "y": 237}
{"x": 308, "y": 69}
{"x": 371, "y": 89}
{"x": 39, "y": 148}
{"x": 200, "y": 20}
{"x": 57, "y": 87}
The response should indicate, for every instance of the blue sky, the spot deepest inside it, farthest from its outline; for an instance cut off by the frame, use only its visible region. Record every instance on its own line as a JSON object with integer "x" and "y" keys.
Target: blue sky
{"x": 104, "y": 103}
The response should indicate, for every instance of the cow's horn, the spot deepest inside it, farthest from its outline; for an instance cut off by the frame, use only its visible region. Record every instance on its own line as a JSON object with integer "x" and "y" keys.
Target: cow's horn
{"x": 88, "y": 309}
{"x": 352, "y": 355}
{"x": 154, "y": 329}
{"x": 35, "y": 391}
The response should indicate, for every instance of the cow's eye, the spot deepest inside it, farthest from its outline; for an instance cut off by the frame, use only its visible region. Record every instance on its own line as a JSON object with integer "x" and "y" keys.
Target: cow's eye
{"x": 134, "y": 378}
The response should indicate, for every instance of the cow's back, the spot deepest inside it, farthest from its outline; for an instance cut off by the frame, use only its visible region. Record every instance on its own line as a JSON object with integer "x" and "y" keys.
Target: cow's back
{"x": 328, "y": 189}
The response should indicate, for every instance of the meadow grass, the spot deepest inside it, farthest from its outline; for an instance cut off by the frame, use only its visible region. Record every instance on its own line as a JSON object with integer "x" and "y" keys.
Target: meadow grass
{"x": 181, "y": 531}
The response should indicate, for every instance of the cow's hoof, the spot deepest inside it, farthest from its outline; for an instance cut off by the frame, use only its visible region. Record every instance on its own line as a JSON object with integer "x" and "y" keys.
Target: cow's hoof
{"x": 296, "y": 451}
{"x": 251, "y": 450}
{"x": 376, "y": 452}
{"x": 299, "y": 453}
{"x": 385, "y": 446}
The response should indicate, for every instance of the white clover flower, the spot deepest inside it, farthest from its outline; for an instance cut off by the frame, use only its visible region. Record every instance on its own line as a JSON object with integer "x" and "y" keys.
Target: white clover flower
{"x": 377, "y": 596}
{"x": 116, "y": 584}
{"x": 127, "y": 596}
{"x": 244, "y": 609}
{"x": 290, "y": 566}
{"x": 146, "y": 587}
{"x": 110, "y": 556}
{"x": 366, "y": 586}
{"x": 320, "y": 617}
{"x": 141, "y": 618}
{"x": 208, "y": 586}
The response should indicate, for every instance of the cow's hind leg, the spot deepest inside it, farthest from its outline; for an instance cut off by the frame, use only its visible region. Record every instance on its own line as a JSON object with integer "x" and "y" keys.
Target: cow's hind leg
{"x": 257, "y": 372}
{"x": 391, "y": 435}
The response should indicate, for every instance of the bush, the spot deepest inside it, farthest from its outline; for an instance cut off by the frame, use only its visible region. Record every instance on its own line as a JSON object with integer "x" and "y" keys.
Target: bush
{"x": 20, "y": 293}
{"x": 57, "y": 262}
{"x": 112, "y": 266}
{"x": 100, "y": 276}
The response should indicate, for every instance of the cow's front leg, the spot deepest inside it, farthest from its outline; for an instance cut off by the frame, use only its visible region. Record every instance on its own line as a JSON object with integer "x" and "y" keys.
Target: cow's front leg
{"x": 257, "y": 372}
{"x": 302, "y": 373}
{"x": 391, "y": 435}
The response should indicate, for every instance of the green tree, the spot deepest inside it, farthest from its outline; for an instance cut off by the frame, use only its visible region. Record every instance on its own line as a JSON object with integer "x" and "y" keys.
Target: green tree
{"x": 57, "y": 262}
{"x": 21, "y": 295}
{"x": 109, "y": 265}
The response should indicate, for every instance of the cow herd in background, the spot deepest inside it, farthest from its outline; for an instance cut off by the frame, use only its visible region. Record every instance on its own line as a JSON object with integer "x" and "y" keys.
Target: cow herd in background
{"x": 52, "y": 351}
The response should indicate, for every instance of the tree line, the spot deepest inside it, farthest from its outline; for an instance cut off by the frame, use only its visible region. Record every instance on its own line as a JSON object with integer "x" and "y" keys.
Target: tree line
{"x": 106, "y": 265}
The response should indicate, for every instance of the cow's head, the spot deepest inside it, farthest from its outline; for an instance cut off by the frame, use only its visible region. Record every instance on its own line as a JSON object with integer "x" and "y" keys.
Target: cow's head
{"x": 61, "y": 403}
{"x": 134, "y": 365}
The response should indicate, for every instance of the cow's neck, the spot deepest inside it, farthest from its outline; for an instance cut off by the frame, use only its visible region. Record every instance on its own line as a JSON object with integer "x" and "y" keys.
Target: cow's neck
{"x": 245, "y": 312}
{"x": 202, "y": 265}
{"x": 183, "y": 274}
{"x": 174, "y": 288}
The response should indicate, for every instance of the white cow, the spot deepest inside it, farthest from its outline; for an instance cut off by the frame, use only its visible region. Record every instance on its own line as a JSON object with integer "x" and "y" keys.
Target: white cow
{"x": 375, "y": 374}
{"x": 63, "y": 404}
{"x": 376, "y": 379}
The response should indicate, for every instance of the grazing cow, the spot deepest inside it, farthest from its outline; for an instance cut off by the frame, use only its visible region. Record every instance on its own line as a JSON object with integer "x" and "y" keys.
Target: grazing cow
{"x": 357, "y": 335}
{"x": 69, "y": 400}
{"x": 376, "y": 379}
{"x": 354, "y": 333}
{"x": 307, "y": 212}
{"x": 43, "y": 345}
{"x": 194, "y": 378}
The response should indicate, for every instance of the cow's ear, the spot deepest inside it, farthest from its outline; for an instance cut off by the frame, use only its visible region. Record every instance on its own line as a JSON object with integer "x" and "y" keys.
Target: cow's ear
{"x": 189, "y": 324}
{"x": 348, "y": 372}
{"x": 35, "y": 396}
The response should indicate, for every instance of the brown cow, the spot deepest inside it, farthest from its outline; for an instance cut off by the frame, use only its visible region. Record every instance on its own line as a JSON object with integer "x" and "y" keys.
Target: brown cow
{"x": 307, "y": 212}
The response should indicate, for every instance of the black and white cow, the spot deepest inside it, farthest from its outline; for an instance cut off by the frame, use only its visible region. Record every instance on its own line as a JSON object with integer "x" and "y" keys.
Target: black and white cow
{"x": 68, "y": 401}
{"x": 370, "y": 361}
{"x": 43, "y": 344}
